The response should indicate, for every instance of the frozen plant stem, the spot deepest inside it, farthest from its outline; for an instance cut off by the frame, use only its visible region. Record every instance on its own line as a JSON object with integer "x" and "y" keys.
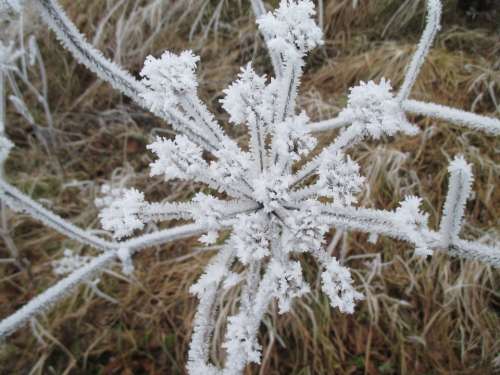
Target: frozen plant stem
{"x": 271, "y": 212}
{"x": 434, "y": 10}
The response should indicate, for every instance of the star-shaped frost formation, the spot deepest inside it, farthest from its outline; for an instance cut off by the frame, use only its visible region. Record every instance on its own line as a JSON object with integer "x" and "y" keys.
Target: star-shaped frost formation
{"x": 272, "y": 213}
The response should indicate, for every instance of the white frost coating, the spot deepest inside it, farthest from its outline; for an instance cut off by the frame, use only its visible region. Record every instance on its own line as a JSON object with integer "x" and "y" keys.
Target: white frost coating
{"x": 373, "y": 108}
{"x": 272, "y": 213}
{"x": 47, "y": 299}
{"x": 373, "y": 111}
{"x": 169, "y": 77}
{"x": 69, "y": 36}
{"x": 259, "y": 10}
{"x": 19, "y": 202}
{"x": 340, "y": 180}
{"x": 292, "y": 26}
{"x": 125, "y": 256}
{"x": 246, "y": 97}
{"x": 122, "y": 216}
{"x": 11, "y": 6}
{"x": 434, "y": 10}
{"x": 489, "y": 125}
{"x": 75, "y": 42}
{"x": 412, "y": 223}
{"x": 460, "y": 183}
{"x": 171, "y": 82}
{"x": 289, "y": 283}
{"x": 52, "y": 295}
{"x": 471, "y": 120}
{"x": 207, "y": 289}
{"x": 69, "y": 262}
{"x": 336, "y": 282}
{"x": 331, "y": 124}
{"x": 241, "y": 343}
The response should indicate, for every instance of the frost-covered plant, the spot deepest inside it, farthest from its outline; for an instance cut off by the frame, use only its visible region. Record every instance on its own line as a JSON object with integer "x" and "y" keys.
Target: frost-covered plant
{"x": 274, "y": 209}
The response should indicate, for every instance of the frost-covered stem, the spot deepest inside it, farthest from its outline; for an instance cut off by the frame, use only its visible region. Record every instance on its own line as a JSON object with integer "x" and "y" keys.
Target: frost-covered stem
{"x": 69, "y": 36}
{"x": 458, "y": 191}
{"x": 18, "y": 201}
{"x": 203, "y": 323}
{"x": 288, "y": 86}
{"x": 331, "y": 124}
{"x": 489, "y": 125}
{"x": 234, "y": 365}
{"x": 304, "y": 193}
{"x": 197, "y": 110}
{"x": 475, "y": 251}
{"x": 263, "y": 297}
{"x": 54, "y": 294}
{"x": 204, "y": 320}
{"x": 155, "y": 212}
{"x": 257, "y": 141}
{"x": 259, "y": 10}
{"x": 473, "y": 121}
{"x": 251, "y": 280}
{"x": 239, "y": 190}
{"x": 434, "y": 9}
{"x": 346, "y": 139}
{"x": 386, "y": 223}
{"x": 44, "y": 301}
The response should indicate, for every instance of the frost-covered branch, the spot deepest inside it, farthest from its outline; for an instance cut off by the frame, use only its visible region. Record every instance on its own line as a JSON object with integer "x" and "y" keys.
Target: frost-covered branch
{"x": 373, "y": 111}
{"x": 54, "y": 294}
{"x": 458, "y": 191}
{"x": 19, "y": 202}
{"x": 330, "y": 124}
{"x": 489, "y": 125}
{"x": 434, "y": 10}
{"x": 259, "y": 10}
{"x": 459, "y": 117}
{"x": 69, "y": 36}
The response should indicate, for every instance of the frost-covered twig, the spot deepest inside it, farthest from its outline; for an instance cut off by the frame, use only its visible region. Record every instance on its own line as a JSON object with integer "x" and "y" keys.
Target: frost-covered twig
{"x": 19, "y": 202}
{"x": 330, "y": 124}
{"x": 51, "y": 296}
{"x": 459, "y": 190}
{"x": 53, "y": 15}
{"x": 259, "y": 10}
{"x": 489, "y": 125}
{"x": 434, "y": 10}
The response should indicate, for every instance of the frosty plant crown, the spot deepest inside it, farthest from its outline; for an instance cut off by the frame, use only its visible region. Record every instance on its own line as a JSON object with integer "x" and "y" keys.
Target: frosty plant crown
{"x": 272, "y": 209}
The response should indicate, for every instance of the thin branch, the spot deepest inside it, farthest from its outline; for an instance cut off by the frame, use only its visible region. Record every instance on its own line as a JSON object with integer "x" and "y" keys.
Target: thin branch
{"x": 54, "y": 294}
{"x": 434, "y": 10}
{"x": 489, "y": 125}
{"x": 18, "y": 201}
{"x": 69, "y": 36}
{"x": 331, "y": 124}
{"x": 470, "y": 120}
{"x": 387, "y": 223}
{"x": 259, "y": 10}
